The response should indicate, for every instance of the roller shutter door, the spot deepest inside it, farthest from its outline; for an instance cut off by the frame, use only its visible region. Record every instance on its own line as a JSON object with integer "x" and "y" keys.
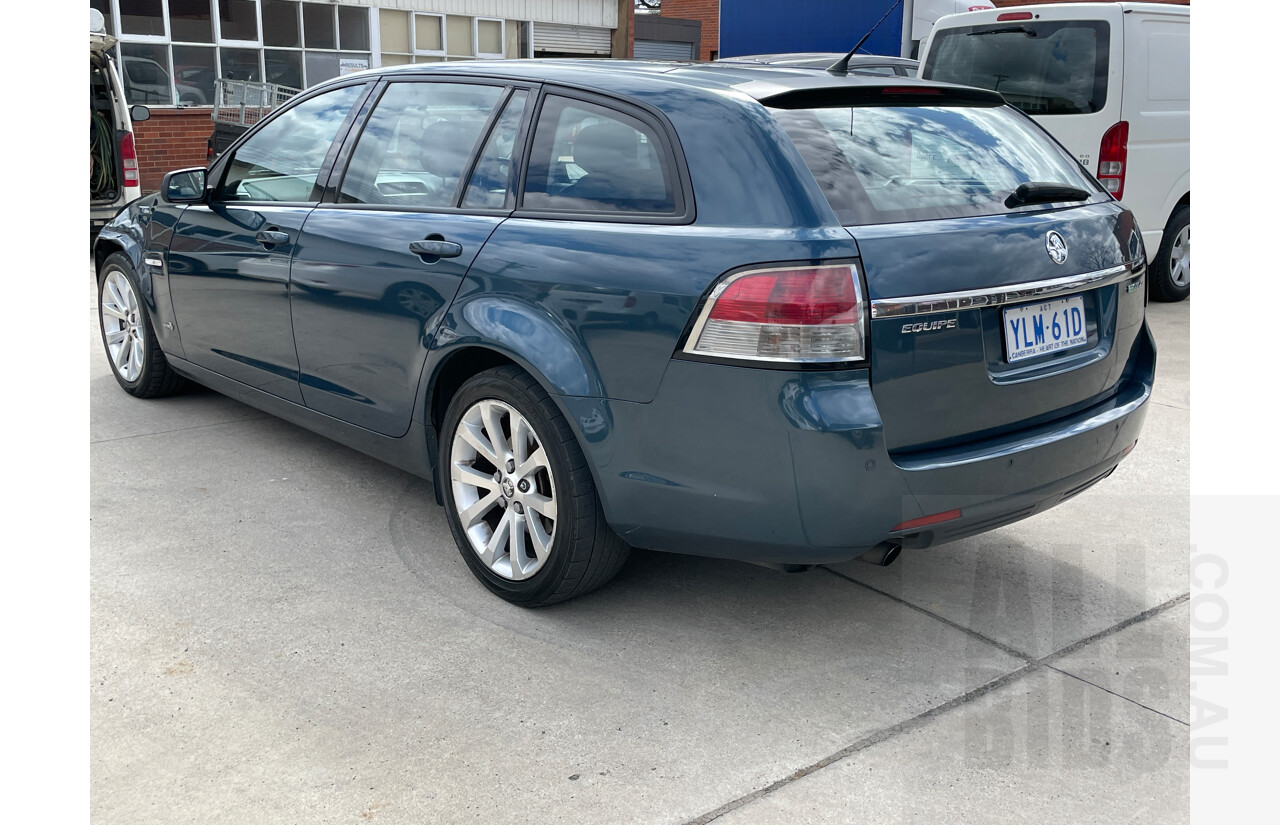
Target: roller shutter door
{"x": 663, "y": 50}
{"x": 553, "y": 37}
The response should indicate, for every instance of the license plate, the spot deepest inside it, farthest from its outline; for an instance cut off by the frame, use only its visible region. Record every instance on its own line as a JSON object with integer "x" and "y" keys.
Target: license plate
{"x": 1038, "y": 329}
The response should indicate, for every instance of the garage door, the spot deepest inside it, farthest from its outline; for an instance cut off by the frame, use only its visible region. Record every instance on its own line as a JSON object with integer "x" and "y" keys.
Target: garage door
{"x": 664, "y": 50}
{"x": 559, "y": 39}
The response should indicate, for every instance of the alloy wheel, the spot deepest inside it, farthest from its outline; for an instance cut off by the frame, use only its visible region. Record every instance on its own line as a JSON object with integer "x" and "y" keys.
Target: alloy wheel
{"x": 504, "y": 489}
{"x": 1180, "y": 258}
{"x": 122, "y": 326}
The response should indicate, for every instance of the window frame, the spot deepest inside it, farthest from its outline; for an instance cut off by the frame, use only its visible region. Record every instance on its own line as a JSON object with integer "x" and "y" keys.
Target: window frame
{"x": 669, "y": 150}
{"x": 218, "y": 171}
{"x": 502, "y": 38}
{"x": 342, "y": 161}
{"x": 442, "y": 52}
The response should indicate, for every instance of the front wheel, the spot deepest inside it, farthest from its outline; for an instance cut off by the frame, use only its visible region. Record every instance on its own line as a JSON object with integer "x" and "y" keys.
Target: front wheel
{"x": 132, "y": 349}
{"x": 519, "y": 497}
{"x": 1171, "y": 271}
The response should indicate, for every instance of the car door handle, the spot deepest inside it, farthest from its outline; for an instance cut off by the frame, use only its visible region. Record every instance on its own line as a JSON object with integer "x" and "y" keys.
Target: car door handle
{"x": 272, "y": 237}
{"x": 436, "y": 248}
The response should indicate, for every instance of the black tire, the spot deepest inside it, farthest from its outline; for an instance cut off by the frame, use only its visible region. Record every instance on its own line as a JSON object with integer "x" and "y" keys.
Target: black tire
{"x": 585, "y": 553}
{"x": 1164, "y": 286}
{"x": 155, "y": 378}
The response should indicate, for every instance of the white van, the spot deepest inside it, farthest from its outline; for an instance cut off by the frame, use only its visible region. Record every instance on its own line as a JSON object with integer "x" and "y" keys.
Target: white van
{"x": 113, "y": 167}
{"x": 1112, "y": 82}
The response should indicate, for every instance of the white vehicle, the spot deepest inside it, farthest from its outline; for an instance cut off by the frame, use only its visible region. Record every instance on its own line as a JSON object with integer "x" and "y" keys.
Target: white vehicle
{"x": 1110, "y": 81}
{"x": 113, "y": 161}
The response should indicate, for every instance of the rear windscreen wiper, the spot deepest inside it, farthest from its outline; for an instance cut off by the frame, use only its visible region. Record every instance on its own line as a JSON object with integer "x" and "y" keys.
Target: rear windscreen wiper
{"x": 1006, "y": 30}
{"x": 1035, "y": 192}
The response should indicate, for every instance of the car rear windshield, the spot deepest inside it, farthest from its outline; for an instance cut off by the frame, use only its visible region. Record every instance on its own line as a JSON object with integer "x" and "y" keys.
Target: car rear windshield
{"x": 890, "y": 164}
{"x": 1043, "y": 68}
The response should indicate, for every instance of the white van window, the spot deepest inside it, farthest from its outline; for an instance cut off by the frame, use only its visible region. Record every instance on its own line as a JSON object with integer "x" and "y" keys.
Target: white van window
{"x": 1042, "y": 67}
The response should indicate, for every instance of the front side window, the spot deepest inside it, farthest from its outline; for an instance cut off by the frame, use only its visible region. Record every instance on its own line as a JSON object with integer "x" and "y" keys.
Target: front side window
{"x": 280, "y": 161}
{"x": 886, "y": 164}
{"x": 416, "y": 147}
{"x": 588, "y": 158}
{"x": 1042, "y": 67}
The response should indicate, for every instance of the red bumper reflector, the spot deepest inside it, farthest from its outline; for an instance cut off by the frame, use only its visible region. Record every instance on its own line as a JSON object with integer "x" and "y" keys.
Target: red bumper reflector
{"x": 925, "y": 521}
{"x": 1128, "y": 449}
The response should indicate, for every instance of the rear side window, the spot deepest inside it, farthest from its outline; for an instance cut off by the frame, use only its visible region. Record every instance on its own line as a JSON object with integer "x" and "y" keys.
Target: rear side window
{"x": 890, "y": 164}
{"x": 588, "y": 158}
{"x": 1042, "y": 67}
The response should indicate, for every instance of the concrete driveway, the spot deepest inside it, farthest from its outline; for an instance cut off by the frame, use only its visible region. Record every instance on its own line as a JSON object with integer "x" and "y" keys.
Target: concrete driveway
{"x": 283, "y": 632}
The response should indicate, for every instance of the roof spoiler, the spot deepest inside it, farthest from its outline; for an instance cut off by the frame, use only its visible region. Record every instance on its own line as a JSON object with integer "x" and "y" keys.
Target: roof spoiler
{"x": 893, "y": 92}
{"x": 841, "y": 67}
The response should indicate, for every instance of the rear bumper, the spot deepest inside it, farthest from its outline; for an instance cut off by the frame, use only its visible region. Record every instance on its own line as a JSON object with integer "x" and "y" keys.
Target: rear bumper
{"x": 792, "y": 468}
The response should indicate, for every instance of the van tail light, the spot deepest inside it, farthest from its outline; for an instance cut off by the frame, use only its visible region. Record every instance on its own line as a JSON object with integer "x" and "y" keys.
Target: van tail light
{"x": 129, "y": 158}
{"x": 1010, "y": 15}
{"x": 806, "y": 314}
{"x": 1113, "y": 158}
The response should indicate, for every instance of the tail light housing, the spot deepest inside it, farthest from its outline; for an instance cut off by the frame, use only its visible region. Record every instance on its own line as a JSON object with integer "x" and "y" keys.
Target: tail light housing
{"x": 802, "y": 314}
{"x": 129, "y": 159}
{"x": 1113, "y": 158}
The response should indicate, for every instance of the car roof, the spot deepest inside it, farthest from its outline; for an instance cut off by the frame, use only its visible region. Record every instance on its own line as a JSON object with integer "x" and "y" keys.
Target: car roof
{"x": 788, "y": 58}
{"x": 652, "y": 77}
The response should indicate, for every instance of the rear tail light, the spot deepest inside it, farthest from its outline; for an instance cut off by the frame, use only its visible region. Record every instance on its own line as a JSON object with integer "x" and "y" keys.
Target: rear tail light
{"x": 129, "y": 158}
{"x": 1012, "y": 15}
{"x": 1113, "y": 157}
{"x": 811, "y": 314}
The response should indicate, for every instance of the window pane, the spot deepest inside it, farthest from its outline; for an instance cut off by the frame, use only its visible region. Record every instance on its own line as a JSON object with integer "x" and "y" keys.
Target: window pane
{"x": 459, "y": 36}
{"x": 240, "y": 64}
{"x": 353, "y": 28}
{"x": 427, "y": 33}
{"x": 190, "y": 21}
{"x": 489, "y": 36}
{"x": 281, "y": 160}
{"x": 284, "y": 68}
{"x": 321, "y": 66}
{"x": 415, "y": 148}
{"x": 238, "y": 19}
{"x": 394, "y": 28}
{"x": 587, "y": 158}
{"x": 280, "y": 23}
{"x": 146, "y": 73}
{"x": 142, "y": 17}
{"x": 104, "y": 6}
{"x": 491, "y": 182}
{"x": 317, "y": 25}
{"x": 194, "y": 70}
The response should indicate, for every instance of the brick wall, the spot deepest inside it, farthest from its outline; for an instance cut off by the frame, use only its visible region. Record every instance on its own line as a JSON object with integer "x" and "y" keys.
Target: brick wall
{"x": 705, "y": 11}
{"x": 171, "y": 139}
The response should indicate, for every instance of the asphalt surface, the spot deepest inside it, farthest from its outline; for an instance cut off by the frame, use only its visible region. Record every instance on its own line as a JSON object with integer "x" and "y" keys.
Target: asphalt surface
{"x": 283, "y": 631}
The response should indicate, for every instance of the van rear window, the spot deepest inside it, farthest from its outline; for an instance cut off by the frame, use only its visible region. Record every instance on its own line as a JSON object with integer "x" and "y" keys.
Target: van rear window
{"x": 1042, "y": 67}
{"x": 887, "y": 164}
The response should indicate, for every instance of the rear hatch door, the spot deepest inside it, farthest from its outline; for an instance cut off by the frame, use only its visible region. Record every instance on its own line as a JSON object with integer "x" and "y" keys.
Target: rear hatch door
{"x": 999, "y": 301}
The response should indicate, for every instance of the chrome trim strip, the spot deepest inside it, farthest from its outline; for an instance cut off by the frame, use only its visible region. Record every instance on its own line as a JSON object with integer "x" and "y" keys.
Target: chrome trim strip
{"x": 996, "y": 296}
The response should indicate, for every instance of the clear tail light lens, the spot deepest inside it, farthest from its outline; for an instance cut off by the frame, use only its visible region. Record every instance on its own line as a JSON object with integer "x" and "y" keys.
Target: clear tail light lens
{"x": 1113, "y": 156}
{"x": 129, "y": 158}
{"x": 810, "y": 314}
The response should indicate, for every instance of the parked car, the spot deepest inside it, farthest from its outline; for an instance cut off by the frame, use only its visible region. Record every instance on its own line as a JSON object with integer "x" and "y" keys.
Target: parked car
{"x": 1112, "y": 82}
{"x": 776, "y": 316}
{"x": 858, "y": 64}
{"x": 113, "y": 158}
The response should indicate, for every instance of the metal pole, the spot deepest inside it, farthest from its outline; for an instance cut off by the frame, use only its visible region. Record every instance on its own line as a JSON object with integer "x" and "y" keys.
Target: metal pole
{"x": 908, "y": 18}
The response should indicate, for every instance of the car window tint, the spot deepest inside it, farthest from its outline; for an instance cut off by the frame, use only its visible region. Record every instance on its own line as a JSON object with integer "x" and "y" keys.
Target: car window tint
{"x": 883, "y": 71}
{"x": 885, "y": 164}
{"x": 587, "y": 158}
{"x": 1042, "y": 67}
{"x": 492, "y": 179}
{"x": 415, "y": 148}
{"x": 281, "y": 160}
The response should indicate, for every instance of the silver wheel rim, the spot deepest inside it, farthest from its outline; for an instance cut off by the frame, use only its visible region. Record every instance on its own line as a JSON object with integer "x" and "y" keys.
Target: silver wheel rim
{"x": 503, "y": 489}
{"x": 1180, "y": 257}
{"x": 122, "y": 326}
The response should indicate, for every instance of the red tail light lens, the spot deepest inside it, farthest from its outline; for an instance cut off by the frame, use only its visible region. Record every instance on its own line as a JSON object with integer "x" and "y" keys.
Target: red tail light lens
{"x": 802, "y": 314}
{"x": 1012, "y": 15}
{"x": 129, "y": 159}
{"x": 1113, "y": 157}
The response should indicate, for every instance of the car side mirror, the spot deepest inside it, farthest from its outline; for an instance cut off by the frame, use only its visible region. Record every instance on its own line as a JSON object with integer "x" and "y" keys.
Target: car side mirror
{"x": 184, "y": 186}
{"x": 139, "y": 113}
